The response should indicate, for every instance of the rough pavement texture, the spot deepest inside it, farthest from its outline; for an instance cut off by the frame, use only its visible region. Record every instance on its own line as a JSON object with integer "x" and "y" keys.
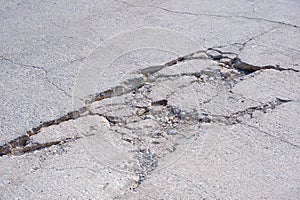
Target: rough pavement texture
{"x": 215, "y": 120}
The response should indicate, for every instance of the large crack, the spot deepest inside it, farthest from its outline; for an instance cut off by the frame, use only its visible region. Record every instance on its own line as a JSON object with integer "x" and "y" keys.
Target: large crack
{"x": 225, "y": 59}
{"x": 170, "y": 118}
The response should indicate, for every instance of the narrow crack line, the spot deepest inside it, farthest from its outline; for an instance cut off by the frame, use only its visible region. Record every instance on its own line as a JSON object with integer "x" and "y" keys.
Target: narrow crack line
{"x": 45, "y": 71}
{"x": 128, "y": 4}
{"x": 269, "y": 134}
{"x": 57, "y": 87}
{"x": 271, "y": 21}
{"x": 255, "y": 37}
{"x": 226, "y": 16}
{"x": 69, "y": 168}
{"x": 264, "y": 107}
{"x": 233, "y": 117}
{"x": 243, "y": 44}
{"x": 184, "y": 12}
{"x": 209, "y": 14}
{"x": 23, "y": 65}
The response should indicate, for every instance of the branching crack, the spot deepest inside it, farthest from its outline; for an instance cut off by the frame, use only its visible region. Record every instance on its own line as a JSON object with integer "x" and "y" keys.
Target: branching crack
{"x": 170, "y": 118}
{"x": 136, "y": 83}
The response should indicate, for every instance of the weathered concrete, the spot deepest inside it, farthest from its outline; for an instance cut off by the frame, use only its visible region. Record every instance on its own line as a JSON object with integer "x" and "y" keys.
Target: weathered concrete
{"x": 149, "y": 99}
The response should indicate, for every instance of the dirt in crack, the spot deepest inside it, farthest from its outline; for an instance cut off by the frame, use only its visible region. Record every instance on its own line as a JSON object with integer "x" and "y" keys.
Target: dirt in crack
{"x": 153, "y": 113}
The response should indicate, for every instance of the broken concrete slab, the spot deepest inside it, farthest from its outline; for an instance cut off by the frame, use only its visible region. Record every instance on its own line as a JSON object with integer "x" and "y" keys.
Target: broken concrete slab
{"x": 130, "y": 130}
{"x": 196, "y": 97}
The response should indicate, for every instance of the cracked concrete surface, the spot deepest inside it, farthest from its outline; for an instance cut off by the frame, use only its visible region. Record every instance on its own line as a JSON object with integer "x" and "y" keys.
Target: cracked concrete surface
{"x": 218, "y": 122}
